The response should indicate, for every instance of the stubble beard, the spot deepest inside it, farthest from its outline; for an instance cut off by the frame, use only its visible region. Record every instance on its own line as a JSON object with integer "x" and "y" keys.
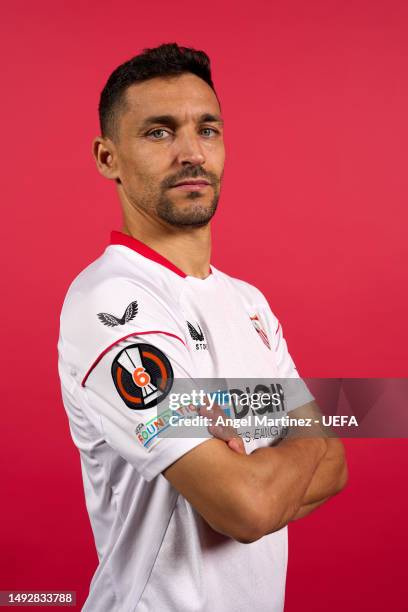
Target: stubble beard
{"x": 195, "y": 215}
{"x": 189, "y": 213}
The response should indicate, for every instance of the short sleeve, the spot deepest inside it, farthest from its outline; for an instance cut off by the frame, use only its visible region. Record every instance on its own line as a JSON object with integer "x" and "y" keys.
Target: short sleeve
{"x": 126, "y": 397}
{"x": 284, "y": 362}
{"x": 124, "y": 344}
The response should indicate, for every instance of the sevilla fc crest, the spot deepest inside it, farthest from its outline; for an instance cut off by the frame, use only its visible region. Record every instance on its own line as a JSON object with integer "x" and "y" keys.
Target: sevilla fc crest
{"x": 261, "y": 332}
{"x": 143, "y": 376}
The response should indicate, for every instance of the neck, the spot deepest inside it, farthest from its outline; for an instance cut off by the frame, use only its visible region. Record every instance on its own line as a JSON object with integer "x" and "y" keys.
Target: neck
{"x": 187, "y": 248}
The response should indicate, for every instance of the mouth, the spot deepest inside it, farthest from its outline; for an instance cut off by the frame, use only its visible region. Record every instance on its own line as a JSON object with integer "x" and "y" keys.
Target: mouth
{"x": 191, "y": 185}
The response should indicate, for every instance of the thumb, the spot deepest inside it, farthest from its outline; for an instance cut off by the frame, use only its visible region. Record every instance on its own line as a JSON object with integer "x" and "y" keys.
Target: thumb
{"x": 236, "y": 444}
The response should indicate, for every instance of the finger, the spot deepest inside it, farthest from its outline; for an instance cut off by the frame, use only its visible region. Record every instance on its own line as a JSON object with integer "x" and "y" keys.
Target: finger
{"x": 217, "y": 428}
{"x": 237, "y": 445}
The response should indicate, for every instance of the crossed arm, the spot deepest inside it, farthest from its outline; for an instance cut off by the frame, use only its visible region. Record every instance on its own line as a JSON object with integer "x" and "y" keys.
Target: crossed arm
{"x": 248, "y": 496}
{"x": 331, "y": 474}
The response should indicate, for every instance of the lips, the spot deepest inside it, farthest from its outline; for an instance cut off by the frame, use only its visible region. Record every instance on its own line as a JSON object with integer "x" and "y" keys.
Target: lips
{"x": 200, "y": 182}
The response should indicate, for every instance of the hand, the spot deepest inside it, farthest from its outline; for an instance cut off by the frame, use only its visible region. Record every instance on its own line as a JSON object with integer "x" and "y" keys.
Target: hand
{"x": 222, "y": 432}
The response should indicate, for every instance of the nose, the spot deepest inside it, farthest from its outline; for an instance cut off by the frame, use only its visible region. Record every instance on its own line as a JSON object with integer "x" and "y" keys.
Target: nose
{"x": 189, "y": 150}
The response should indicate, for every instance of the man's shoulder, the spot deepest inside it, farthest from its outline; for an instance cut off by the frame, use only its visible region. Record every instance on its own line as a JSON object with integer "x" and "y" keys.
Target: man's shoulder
{"x": 109, "y": 301}
{"x": 111, "y": 282}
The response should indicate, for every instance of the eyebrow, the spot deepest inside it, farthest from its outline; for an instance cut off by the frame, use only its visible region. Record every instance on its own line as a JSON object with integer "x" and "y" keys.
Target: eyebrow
{"x": 172, "y": 121}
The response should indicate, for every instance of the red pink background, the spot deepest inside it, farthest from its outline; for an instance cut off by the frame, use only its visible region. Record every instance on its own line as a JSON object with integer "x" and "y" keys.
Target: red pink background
{"x": 313, "y": 211}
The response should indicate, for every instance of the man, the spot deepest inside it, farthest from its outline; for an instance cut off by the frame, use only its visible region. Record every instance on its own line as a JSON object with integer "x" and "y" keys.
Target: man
{"x": 180, "y": 523}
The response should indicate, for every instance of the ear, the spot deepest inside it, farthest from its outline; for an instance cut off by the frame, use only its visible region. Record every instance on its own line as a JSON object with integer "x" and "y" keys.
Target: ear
{"x": 104, "y": 153}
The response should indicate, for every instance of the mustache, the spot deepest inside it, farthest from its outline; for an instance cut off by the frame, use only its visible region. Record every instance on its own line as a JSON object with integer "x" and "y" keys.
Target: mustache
{"x": 193, "y": 173}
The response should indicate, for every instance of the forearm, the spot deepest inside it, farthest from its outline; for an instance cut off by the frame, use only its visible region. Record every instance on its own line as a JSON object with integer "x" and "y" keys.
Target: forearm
{"x": 285, "y": 473}
{"x": 329, "y": 477}
{"x": 308, "y": 508}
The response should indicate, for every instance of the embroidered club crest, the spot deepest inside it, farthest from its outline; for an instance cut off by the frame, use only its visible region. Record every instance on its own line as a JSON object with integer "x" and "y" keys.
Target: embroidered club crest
{"x": 261, "y": 332}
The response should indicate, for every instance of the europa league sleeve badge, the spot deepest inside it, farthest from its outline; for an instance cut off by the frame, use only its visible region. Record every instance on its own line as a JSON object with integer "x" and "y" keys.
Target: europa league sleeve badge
{"x": 143, "y": 376}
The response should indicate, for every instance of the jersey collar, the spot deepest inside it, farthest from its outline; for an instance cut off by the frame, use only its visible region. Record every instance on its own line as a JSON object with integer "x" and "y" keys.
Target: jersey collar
{"x": 145, "y": 251}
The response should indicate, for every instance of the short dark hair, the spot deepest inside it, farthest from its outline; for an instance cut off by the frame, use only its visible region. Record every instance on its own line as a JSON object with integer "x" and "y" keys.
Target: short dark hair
{"x": 164, "y": 61}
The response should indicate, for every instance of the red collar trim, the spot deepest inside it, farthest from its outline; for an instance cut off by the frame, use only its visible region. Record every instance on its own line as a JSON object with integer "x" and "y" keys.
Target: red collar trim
{"x": 143, "y": 249}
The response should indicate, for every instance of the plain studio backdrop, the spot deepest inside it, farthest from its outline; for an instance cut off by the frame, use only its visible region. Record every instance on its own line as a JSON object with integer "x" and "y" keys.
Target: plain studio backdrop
{"x": 313, "y": 211}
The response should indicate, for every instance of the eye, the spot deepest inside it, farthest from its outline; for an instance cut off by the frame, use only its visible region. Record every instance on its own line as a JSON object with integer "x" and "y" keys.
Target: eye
{"x": 157, "y": 134}
{"x": 208, "y": 129}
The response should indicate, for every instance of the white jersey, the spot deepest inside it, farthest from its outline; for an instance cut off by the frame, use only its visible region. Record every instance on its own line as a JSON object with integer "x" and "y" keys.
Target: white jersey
{"x": 131, "y": 325}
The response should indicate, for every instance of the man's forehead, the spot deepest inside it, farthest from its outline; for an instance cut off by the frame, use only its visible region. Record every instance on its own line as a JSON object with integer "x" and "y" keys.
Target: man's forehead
{"x": 177, "y": 96}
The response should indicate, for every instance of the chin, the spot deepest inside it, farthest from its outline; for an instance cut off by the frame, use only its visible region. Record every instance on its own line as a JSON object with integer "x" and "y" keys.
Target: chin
{"x": 194, "y": 209}
{"x": 194, "y": 217}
